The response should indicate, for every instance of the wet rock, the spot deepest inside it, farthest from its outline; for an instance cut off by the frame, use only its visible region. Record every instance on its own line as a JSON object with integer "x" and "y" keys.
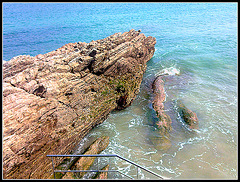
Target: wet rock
{"x": 164, "y": 123}
{"x": 187, "y": 115}
{"x": 84, "y": 163}
{"x": 51, "y": 101}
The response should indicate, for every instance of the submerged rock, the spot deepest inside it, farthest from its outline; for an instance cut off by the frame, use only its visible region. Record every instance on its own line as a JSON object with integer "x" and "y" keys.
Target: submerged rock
{"x": 164, "y": 123}
{"x": 51, "y": 101}
{"x": 187, "y": 115}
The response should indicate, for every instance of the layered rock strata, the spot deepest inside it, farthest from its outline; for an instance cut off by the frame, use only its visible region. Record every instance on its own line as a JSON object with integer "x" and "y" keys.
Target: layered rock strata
{"x": 51, "y": 101}
{"x": 164, "y": 123}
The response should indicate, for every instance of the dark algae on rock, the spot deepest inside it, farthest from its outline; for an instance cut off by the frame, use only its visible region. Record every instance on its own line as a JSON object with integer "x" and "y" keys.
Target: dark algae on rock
{"x": 189, "y": 117}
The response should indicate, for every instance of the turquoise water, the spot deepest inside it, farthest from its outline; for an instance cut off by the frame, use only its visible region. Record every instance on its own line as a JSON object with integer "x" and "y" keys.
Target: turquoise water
{"x": 199, "y": 40}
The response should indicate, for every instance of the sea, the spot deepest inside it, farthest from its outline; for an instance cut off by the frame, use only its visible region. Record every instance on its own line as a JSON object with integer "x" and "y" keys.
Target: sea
{"x": 197, "y": 49}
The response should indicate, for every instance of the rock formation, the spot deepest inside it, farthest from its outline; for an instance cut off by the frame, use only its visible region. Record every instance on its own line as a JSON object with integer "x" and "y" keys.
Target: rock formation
{"x": 51, "y": 101}
{"x": 189, "y": 117}
{"x": 164, "y": 123}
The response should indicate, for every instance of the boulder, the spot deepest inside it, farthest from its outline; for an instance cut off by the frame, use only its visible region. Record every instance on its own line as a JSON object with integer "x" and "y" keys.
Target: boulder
{"x": 51, "y": 101}
{"x": 189, "y": 117}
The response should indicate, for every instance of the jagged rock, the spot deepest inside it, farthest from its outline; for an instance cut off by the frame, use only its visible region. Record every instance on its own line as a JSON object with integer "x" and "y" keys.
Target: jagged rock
{"x": 164, "y": 124}
{"x": 187, "y": 115}
{"x": 51, "y": 101}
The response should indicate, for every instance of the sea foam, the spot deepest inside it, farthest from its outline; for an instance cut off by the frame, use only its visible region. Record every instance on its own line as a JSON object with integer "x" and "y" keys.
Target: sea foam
{"x": 169, "y": 71}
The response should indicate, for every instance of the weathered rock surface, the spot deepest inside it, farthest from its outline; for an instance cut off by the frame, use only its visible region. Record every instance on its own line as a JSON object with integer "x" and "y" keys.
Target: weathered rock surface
{"x": 164, "y": 123}
{"x": 51, "y": 101}
{"x": 187, "y": 115}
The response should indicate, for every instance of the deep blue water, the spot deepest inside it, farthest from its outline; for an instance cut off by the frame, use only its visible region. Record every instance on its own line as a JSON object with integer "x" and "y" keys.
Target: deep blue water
{"x": 197, "y": 39}
{"x": 34, "y": 28}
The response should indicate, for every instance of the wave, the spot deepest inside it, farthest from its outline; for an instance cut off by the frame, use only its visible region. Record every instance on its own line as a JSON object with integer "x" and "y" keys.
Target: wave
{"x": 170, "y": 71}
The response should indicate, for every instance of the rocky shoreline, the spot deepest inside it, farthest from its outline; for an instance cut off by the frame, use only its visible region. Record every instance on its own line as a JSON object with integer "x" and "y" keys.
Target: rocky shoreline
{"x": 51, "y": 101}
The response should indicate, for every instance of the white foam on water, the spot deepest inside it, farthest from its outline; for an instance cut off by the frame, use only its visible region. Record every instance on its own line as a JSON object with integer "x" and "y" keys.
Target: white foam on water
{"x": 170, "y": 71}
